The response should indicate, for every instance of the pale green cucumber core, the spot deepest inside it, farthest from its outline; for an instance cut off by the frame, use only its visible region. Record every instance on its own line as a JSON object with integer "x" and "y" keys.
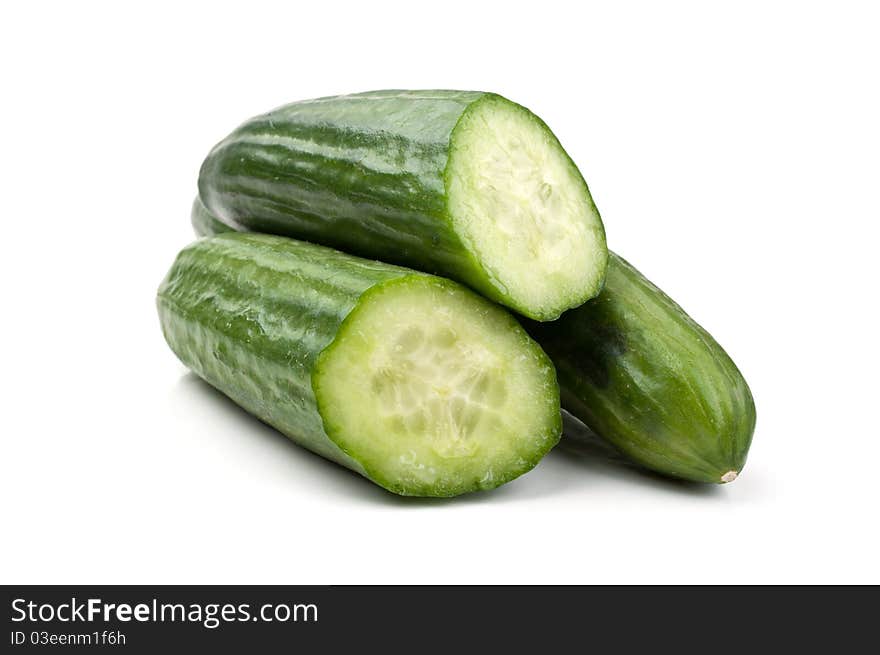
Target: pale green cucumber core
{"x": 521, "y": 205}
{"x": 433, "y": 389}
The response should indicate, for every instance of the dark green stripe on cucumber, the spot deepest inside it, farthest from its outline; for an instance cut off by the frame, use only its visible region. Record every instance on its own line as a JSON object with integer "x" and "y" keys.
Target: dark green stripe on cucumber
{"x": 411, "y": 380}
{"x": 463, "y": 184}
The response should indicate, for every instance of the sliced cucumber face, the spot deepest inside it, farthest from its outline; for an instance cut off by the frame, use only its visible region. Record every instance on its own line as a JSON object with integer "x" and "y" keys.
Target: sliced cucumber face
{"x": 522, "y": 206}
{"x": 436, "y": 391}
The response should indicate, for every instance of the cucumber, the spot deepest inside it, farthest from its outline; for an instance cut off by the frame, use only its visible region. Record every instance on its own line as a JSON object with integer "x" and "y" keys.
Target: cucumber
{"x": 411, "y": 380}
{"x": 645, "y": 377}
{"x": 464, "y": 184}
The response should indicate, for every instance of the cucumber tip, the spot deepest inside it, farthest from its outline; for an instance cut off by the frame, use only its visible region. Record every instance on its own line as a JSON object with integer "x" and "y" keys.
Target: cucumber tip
{"x": 730, "y": 476}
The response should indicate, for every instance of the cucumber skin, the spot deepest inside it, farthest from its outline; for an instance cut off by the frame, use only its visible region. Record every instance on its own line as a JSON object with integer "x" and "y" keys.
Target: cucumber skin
{"x": 645, "y": 377}
{"x": 263, "y": 358}
{"x": 204, "y": 223}
{"x": 367, "y": 176}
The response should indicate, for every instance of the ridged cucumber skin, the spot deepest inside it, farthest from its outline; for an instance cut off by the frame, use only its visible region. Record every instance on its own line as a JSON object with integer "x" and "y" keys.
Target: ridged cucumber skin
{"x": 364, "y": 173}
{"x": 253, "y": 315}
{"x": 645, "y": 377}
{"x": 250, "y": 314}
{"x": 204, "y": 223}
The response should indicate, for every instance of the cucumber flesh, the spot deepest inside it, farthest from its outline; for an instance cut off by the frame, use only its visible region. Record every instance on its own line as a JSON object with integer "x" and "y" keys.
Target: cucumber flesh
{"x": 411, "y": 380}
{"x": 519, "y": 202}
{"x": 414, "y": 386}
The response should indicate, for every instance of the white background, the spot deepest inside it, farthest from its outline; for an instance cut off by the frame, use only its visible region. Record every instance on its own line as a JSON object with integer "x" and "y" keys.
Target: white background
{"x": 732, "y": 148}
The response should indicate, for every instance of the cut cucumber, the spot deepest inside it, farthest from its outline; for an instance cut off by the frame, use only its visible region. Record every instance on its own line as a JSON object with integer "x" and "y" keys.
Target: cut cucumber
{"x": 644, "y": 376}
{"x": 464, "y": 184}
{"x": 411, "y": 380}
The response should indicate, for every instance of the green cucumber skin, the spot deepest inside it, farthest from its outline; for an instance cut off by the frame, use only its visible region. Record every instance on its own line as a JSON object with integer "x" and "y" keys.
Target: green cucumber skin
{"x": 382, "y": 195}
{"x": 364, "y": 173}
{"x": 644, "y": 376}
{"x": 204, "y": 223}
{"x": 250, "y": 314}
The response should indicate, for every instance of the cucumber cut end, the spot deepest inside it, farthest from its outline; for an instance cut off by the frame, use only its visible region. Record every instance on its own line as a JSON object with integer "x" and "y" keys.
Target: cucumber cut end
{"x": 436, "y": 391}
{"x": 523, "y": 208}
